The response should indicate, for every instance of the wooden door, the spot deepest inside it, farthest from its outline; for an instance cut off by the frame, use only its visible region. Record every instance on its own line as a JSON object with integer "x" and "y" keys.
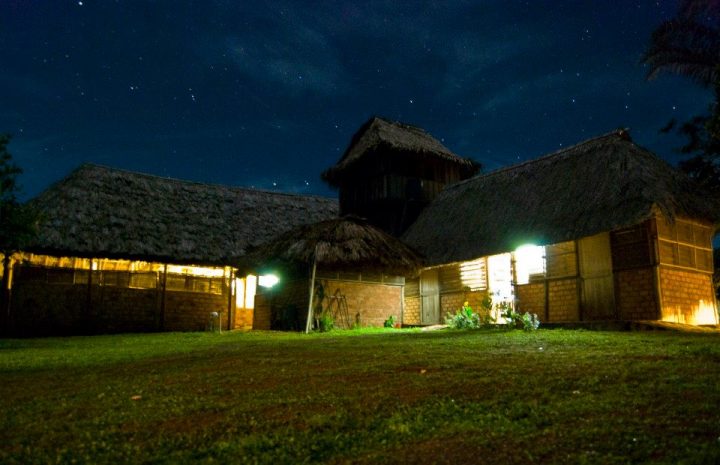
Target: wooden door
{"x": 598, "y": 294}
{"x": 429, "y": 297}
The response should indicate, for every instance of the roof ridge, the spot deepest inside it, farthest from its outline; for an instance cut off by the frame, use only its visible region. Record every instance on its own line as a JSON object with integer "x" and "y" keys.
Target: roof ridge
{"x": 618, "y": 133}
{"x": 191, "y": 182}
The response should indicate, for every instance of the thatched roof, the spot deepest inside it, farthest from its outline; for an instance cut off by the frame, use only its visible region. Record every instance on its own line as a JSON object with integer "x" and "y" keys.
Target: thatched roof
{"x": 348, "y": 243}
{"x": 103, "y": 212}
{"x": 599, "y": 185}
{"x": 391, "y": 138}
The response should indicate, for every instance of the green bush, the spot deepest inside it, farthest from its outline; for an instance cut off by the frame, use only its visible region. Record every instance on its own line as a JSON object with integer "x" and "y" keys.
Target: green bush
{"x": 465, "y": 318}
{"x": 390, "y": 322}
{"x": 325, "y": 323}
{"x": 526, "y": 321}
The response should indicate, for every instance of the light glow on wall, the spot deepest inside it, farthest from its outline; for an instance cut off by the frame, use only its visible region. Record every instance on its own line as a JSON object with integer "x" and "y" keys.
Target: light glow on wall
{"x": 529, "y": 260}
{"x": 268, "y": 280}
{"x": 250, "y": 290}
{"x": 702, "y": 314}
{"x": 197, "y": 271}
{"x": 500, "y": 277}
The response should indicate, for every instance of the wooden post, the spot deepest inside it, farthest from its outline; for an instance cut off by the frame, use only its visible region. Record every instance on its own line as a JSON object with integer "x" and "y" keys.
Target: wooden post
{"x": 231, "y": 313}
{"x": 163, "y": 287}
{"x": 6, "y": 290}
{"x": 308, "y": 323}
{"x": 88, "y": 306}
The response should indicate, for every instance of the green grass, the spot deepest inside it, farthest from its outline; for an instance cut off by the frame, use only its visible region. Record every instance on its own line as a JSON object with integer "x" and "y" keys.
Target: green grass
{"x": 383, "y": 396}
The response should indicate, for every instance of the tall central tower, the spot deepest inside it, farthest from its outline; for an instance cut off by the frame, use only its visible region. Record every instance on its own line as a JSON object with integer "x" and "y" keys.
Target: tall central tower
{"x": 391, "y": 171}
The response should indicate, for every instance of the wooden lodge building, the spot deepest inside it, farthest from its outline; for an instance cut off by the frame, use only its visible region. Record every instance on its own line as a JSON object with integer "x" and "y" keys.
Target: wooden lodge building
{"x": 603, "y": 230}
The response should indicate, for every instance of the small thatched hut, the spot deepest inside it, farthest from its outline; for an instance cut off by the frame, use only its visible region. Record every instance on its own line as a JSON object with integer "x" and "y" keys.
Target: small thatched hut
{"x": 391, "y": 171}
{"x": 610, "y": 232}
{"x": 161, "y": 252}
{"x": 343, "y": 268}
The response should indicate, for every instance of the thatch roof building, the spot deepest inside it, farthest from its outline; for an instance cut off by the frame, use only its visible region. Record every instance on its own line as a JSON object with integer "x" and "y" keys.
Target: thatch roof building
{"x": 348, "y": 243}
{"x": 403, "y": 142}
{"x": 104, "y": 212}
{"x": 391, "y": 171}
{"x": 602, "y": 184}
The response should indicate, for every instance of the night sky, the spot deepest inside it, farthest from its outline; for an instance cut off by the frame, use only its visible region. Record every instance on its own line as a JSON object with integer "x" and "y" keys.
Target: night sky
{"x": 268, "y": 94}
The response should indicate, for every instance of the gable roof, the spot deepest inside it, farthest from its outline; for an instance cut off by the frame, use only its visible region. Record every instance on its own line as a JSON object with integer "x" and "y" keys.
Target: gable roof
{"x": 337, "y": 244}
{"x": 98, "y": 211}
{"x": 598, "y": 185}
{"x": 392, "y": 138}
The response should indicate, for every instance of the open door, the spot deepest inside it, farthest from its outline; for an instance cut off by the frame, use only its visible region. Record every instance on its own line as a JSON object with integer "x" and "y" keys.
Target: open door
{"x": 429, "y": 297}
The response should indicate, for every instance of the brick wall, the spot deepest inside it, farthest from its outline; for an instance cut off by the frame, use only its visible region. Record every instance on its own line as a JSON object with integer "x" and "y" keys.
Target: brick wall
{"x": 261, "y": 313}
{"x": 451, "y": 303}
{"x": 45, "y": 309}
{"x": 562, "y": 300}
{"x": 283, "y": 307}
{"x": 687, "y": 296}
{"x": 243, "y": 318}
{"x": 411, "y": 312}
{"x": 190, "y": 311}
{"x": 41, "y": 308}
{"x": 635, "y": 291}
{"x": 369, "y": 304}
{"x": 531, "y": 298}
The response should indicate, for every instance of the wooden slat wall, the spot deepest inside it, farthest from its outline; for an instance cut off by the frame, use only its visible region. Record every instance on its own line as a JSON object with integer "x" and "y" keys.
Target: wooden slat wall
{"x": 685, "y": 244}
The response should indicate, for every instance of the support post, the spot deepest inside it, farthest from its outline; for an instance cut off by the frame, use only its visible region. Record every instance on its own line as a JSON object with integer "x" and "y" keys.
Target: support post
{"x": 308, "y": 323}
{"x": 231, "y": 309}
{"x": 163, "y": 287}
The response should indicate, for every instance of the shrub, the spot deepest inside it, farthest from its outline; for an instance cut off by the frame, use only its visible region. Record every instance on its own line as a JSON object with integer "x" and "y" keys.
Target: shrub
{"x": 465, "y": 318}
{"x": 390, "y": 322}
{"x": 325, "y": 323}
{"x": 526, "y": 321}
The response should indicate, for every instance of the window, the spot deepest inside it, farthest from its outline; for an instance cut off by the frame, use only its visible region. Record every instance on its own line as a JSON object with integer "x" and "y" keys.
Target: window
{"x": 685, "y": 244}
{"x": 529, "y": 263}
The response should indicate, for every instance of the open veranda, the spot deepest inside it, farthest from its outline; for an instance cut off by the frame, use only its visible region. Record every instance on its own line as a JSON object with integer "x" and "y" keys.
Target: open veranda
{"x": 368, "y": 396}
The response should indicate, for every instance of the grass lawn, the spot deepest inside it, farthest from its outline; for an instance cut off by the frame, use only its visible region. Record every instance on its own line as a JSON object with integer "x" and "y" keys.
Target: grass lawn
{"x": 553, "y": 396}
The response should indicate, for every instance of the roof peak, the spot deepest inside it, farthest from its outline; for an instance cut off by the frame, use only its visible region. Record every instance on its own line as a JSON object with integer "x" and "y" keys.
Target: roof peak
{"x": 622, "y": 134}
{"x": 170, "y": 179}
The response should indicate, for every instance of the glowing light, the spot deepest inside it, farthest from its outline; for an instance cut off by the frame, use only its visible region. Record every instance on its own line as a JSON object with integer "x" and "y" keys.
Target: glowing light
{"x": 703, "y": 313}
{"x": 268, "y": 280}
{"x": 197, "y": 271}
{"x": 529, "y": 261}
{"x": 250, "y": 289}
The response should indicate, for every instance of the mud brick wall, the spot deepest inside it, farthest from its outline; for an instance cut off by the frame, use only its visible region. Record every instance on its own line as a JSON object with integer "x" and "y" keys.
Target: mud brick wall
{"x": 118, "y": 309}
{"x": 636, "y": 296}
{"x": 243, "y": 318}
{"x": 369, "y": 304}
{"x": 451, "y": 302}
{"x": 261, "y": 313}
{"x": 411, "y": 312}
{"x": 563, "y": 302}
{"x": 531, "y": 298}
{"x": 283, "y": 307}
{"x": 687, "y": 296}
{"x": 38, "y": 308}
{"x": 190, "y": 311}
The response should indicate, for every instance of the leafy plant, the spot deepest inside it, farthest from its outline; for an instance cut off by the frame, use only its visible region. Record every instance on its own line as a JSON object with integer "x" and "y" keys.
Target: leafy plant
{"x": 465, "y": 318}
{"x": 325, "y": 323}
{"x": 526, "y": 321}
{"x": 390, "y": 322}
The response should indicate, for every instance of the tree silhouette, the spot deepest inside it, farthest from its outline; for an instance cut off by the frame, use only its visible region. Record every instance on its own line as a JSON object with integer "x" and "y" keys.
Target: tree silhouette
{"x": 18, "y": 223}
{"x": 689, "y": 45}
